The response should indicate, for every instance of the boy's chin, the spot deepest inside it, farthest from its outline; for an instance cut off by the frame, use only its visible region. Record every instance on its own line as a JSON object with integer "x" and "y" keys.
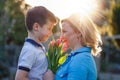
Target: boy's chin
{"x": 44, "y": 40}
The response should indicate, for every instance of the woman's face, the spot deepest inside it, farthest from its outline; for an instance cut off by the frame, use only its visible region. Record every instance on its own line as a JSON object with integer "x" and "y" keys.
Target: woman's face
{"x": 68, "y": 34}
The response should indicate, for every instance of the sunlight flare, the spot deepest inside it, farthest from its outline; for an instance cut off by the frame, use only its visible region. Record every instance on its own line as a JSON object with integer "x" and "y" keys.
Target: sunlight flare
{"x": 64, "y": 8}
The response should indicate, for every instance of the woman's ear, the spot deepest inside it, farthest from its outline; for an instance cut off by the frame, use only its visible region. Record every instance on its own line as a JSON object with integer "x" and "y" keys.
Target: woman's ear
{"x": 36, "y": 26}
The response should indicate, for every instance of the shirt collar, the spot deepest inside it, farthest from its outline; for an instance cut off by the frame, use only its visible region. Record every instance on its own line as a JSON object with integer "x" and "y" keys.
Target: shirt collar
{"x": 73, "y": 53}
{"x": 81, "y": 50}
{"x": 33, "y": 42}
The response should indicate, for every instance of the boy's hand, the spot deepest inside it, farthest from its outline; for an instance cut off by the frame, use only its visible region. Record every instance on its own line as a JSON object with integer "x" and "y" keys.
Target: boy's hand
{"x": 48, "y": 75}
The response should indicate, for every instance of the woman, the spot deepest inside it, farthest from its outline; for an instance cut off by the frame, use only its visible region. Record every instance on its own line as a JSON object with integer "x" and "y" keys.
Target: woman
{"x": 83, "y": 38}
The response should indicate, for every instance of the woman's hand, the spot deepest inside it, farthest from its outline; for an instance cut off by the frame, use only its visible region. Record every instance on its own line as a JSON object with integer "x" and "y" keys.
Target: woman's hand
{"x": 48, "y": 75}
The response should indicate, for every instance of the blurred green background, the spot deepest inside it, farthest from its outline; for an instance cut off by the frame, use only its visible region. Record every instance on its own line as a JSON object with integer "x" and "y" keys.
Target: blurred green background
{"x": 13, "y": 33}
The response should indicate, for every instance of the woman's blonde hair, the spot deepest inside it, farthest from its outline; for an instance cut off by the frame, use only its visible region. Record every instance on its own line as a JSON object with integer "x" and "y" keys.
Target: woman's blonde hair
{"x": 90, "y": 36}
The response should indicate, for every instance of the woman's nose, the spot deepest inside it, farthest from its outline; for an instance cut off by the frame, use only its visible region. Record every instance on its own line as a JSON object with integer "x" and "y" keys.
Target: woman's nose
{"x": 62, "y": 37}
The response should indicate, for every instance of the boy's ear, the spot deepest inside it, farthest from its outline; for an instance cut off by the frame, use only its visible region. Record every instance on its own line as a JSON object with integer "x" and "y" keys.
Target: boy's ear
{"x": 36, "y": 26}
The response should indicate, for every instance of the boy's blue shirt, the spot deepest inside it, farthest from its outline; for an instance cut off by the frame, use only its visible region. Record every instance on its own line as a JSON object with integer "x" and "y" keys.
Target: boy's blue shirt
{"x": 79, "y": 65}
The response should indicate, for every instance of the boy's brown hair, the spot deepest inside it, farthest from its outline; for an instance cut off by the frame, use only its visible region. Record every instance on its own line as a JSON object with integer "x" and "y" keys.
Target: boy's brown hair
{"x": 40, "y": 15}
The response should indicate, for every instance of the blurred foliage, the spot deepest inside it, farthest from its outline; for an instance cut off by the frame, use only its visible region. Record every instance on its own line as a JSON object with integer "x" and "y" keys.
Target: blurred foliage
{"x": 2, "y": 11}
{"x": 12, "y": 29}
{"x": 115, "y": 22}
{"x": 116, "y": 19}
{"x": 12, "y": 21}
{"x": 4, "y": 72}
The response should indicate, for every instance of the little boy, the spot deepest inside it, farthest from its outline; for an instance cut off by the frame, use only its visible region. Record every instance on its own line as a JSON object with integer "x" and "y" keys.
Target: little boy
{"x": 32, "y": 62}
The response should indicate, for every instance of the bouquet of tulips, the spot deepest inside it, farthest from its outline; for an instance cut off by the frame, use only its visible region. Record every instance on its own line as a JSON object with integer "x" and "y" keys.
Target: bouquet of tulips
{"x": 55, "y": 54}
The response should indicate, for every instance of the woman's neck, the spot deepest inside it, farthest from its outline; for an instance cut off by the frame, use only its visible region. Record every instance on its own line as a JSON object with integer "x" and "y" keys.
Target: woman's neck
{"x": 77, "y": 46}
